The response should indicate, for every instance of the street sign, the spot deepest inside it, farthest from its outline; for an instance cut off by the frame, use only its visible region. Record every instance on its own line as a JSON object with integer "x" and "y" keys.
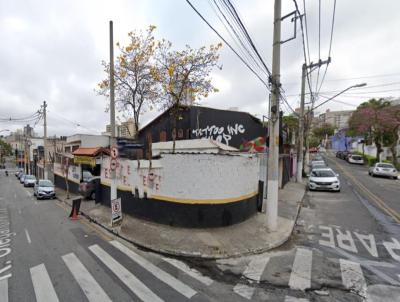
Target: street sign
{"x": 114, "y": 152}
{"x": 116, "y": 211}
{"x": 113, "y": 164}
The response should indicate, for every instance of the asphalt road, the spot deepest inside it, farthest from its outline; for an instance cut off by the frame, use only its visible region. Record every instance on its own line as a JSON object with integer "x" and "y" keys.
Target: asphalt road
{"x": 46, "y": 257}
{"x": 345, "y": 247}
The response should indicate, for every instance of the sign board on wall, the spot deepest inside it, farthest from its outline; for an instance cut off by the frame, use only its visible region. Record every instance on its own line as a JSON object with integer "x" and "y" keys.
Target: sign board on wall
{"x": 85, "y": 160}
{"x": 116, "y": 212}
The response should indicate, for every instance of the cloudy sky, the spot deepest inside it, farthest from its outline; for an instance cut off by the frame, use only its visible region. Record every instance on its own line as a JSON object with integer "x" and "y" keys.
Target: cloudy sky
{"x": 52, "y": 50}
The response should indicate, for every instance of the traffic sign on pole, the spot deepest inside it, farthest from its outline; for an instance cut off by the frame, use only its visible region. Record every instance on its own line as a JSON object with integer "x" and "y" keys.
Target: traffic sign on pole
{"x": 114, "y": 152}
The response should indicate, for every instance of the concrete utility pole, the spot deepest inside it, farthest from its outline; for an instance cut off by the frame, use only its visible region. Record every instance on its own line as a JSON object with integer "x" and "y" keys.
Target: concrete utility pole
{"x": 45, "y": 140}
{"x": 300, "y": 153}
{"x": 301, "y": 161}
{"x": 113, "y": 192}
{"x": 273, "y": 152}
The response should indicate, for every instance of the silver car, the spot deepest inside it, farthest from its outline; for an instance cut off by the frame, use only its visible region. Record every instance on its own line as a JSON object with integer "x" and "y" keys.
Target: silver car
{"x": 383, "y": 169}
{"x": 44, "y": 188}
{"x": 324, "y": 179}
{"x": 29, "y": 180}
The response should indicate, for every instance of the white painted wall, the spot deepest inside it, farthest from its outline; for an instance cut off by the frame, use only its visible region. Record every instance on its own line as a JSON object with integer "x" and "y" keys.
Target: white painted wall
{"x": 74, "y": 172}
{"x": 189, "y": 176}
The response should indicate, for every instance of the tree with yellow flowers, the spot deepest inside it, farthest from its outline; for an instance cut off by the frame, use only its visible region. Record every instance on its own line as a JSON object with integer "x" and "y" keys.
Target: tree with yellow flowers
{"x": 136, "y": 89}
{"x": 184, "y": 76}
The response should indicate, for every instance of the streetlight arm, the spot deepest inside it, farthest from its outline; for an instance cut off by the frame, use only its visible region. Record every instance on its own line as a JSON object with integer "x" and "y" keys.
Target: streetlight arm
{"x": 348, "y": 88}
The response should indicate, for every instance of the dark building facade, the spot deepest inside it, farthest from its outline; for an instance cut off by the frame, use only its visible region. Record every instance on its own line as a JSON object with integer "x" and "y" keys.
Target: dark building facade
{"x": 233, "y": 128}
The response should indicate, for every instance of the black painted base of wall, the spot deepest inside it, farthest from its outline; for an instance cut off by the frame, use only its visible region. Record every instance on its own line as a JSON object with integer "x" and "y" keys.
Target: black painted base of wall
{"x": 183, "y": 215}
{"x": 60, "y": 183}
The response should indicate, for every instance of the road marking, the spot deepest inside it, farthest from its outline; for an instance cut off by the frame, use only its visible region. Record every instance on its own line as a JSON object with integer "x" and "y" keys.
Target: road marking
{"x": 294, "y": 299}
{"x": 342, "y": 238}
{"x": 4, "y": 290}
{"x": 44, "y": 290}
{"x": 90, "y": 287}
{"x": 133, "y": 283}
{"x": 244, "y": 290}
{"x": 371, "y": 248}
{"x": 157, "y": 272}
{"x": 189, "y": 271}
{"x": 300, "y": 278}
{"x": 330, "y": 236}
{"x": 379, "y": 202}
{"x": 352, "y": 277}
{"x": 27, "y": 236}
{"x": 254, "y": 272}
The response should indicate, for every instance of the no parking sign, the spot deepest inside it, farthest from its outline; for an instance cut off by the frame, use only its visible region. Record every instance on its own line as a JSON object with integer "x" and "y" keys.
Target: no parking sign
{"x": 116, "y": 211}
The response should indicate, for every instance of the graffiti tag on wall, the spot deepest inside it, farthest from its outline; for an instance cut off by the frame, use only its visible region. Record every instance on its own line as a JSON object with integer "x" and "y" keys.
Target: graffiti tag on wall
{"x": 220, "y": 134}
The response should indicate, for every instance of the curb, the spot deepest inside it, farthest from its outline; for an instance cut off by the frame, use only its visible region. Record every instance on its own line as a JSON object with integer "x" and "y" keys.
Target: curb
{"x": 196, "y": 255}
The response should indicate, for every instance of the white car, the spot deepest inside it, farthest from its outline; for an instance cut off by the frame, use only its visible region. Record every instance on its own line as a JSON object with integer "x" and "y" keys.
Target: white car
{"x": 355, "y": 159}
{"x": 383, "y": 169}
{"x": 323, "y": 179}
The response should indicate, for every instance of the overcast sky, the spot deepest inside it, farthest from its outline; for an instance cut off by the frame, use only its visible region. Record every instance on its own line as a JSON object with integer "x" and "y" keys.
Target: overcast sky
{"x": 52, "y": 50}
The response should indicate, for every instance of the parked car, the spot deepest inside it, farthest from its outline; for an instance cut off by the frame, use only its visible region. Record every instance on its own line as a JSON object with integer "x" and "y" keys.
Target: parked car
{"x": 88, "y": 188}
{"x": 343, "y": 154}
{"x": 22, "y": 178}
{"x": 86, "y": 175}
{"x": 324, "y": 179}
{"x": 17, "y": 172}
{"x": 356, "y": 159}
{"x": 317, "y": 162}
{"x": 319, "y": 166}
{"x": 20, "y": 173}
{"x": 44, "y": 188}
{"x": 29, "y": 180}
{"x": 339, "y": 154}
{"x": 383, "y": 169}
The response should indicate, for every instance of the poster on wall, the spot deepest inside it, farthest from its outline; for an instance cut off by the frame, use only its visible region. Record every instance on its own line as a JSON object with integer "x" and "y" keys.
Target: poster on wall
{"x": 116, "y": 212}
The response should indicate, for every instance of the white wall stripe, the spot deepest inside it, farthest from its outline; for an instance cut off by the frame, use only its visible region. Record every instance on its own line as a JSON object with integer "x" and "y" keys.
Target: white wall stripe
{"x": 254, "y": 272}
{"x": 28, "y": 237}
{"x": 189, "y": 271}
{"x": 133, "y": 283}
{"x": 352, "y": 277}
{"x": 90, "y": 287}
{"x": 4, "y": 290}
{"x": 157, "y": 272}
{"x": 300, "y": 278}
{"x": 44, "y": 290}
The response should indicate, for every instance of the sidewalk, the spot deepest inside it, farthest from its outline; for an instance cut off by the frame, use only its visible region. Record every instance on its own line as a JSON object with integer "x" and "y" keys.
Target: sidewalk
{"x": 248, "y": 237}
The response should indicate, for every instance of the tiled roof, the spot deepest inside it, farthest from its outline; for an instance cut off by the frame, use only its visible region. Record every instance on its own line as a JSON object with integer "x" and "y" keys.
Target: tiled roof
{"x": 90, "y": 151}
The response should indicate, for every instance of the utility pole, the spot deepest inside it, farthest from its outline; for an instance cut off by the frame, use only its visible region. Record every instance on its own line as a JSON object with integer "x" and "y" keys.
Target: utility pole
{"x": 301, "y": 161}
{"x": 273, "y": 152}
{"x": 113, "y": 193}
{"x": 300, "y": 153}
{"x": 45, "y": 139}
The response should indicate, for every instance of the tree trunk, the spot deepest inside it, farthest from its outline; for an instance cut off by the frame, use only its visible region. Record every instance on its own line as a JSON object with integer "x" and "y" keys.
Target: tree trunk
{"x": 66, "y": 181}
{"x": 174, "y": 133}
{"x": 393, "y": 149}
{"x": 378, "y": 150}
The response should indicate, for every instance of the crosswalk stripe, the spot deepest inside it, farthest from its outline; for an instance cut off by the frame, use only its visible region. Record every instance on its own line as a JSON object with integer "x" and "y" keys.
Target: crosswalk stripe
{"x": 42, "y": 286}
{"x": 4, "y": 290}
{"x": 157, "y": 272}
{"x": 352, "y": 277}
{"x": 195, "y": 274}
{"x": 300, "y": 278}
{"x": 133, "y": 283}
{"x": 90, "y": 287}
{"x": 294, "y": 299}
{"x": 253, "y": 271}
{"x": 244, "y": 290}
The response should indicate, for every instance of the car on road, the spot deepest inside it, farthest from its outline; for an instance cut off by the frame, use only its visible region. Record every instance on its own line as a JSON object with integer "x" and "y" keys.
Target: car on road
{"x": 383, "y": 169}
{"x": 18, "y": 172}
{"x": 88, "y": 188}
{"x": 318, "y": 163}
{"x": 324, "y": 179}
{"x": 356, "y": 159}
{"x": 22, "y": 178}
{"x": 44, "y": 188}
{"x": 344, "y": 154}
{"x": 339, "y": 154}
{"x": 29, "y": 180}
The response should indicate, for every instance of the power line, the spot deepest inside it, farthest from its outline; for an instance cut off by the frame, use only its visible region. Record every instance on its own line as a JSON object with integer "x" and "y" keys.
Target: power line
{"x": 319, "y": 44}
{"x": 222, "y": 38}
